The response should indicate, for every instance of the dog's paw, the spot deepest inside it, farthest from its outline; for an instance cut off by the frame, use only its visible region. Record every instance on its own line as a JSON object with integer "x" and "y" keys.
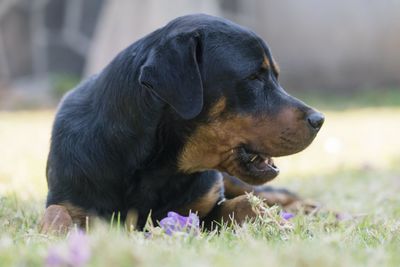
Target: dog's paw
{"x": 56, "y": 220}
{"x": 308, "y": 207}
{"x": 276, "y": 196}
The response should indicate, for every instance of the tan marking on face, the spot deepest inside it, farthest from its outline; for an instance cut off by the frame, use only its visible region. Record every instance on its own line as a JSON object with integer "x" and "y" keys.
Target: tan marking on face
{"x": 265, "y": 64}
{"x": 214, "y": 145}
{"x": 206, "y": 203}
{"x": 218, "y": 108}
{"x": 211, "y": 143}
{"x": 211, "y": 146}
{"x": 275, "y": 67}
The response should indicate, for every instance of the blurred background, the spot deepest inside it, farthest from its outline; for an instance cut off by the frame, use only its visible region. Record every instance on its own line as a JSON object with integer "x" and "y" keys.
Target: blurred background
{"x": 341, "y": 56}
{"x": 337, "y": 47}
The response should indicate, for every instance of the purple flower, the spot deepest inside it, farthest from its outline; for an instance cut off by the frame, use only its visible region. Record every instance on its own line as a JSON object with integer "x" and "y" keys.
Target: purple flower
{"x": 286, "y": 215}
{"x": 177, "y": 223}
{"x": 76, "y": 253}
{"x": 79, "y": 250}
{"x": 55, "y": 257}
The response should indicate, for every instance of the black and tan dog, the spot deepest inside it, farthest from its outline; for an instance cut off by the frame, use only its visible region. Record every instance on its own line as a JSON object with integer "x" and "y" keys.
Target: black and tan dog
{"x": 168, "y": 124}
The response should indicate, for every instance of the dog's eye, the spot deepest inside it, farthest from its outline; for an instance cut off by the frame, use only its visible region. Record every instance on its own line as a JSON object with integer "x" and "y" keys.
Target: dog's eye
{"x": 254, "y": 77}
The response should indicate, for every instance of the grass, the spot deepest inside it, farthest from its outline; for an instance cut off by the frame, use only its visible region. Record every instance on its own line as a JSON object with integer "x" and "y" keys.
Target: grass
{"x": 353, "y": 166}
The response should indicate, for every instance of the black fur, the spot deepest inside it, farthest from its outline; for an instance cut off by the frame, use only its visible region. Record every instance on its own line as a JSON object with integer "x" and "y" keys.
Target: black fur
{"x": 116, "y": 137}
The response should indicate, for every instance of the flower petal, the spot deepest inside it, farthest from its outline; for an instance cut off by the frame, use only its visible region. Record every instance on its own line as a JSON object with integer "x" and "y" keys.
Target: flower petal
{"x": 287, "y": 215}
{"x": 178, "y": 223}
{"x": 169, "y": 225}
{"x": 79, "y": 249}
{"x": 55, "y": 257}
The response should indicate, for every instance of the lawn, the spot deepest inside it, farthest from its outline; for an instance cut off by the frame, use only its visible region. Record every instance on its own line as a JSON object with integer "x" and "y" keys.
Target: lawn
{"x": 353, "y": 167}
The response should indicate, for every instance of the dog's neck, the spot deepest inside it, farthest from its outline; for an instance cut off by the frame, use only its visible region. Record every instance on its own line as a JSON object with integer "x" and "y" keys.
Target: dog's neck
{"x": 134, "y": 115}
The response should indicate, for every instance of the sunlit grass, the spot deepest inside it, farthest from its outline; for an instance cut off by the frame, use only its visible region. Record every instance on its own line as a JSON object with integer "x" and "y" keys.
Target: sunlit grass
{"x": 352, "y": 166}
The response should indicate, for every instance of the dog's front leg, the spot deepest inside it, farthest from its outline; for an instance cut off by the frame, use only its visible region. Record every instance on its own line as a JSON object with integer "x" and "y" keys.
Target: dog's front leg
{"x": 235, "y": 210}
{"x": 56, "y": 220}
{"x": 59, "y": 218}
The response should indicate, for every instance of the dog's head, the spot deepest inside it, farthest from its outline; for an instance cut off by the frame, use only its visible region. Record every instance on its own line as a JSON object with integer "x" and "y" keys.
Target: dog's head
{"x": 222, "y": 81}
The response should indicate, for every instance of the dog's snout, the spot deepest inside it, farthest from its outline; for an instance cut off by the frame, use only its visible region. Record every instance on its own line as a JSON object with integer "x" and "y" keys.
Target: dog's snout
{"x": 316, "y": 119}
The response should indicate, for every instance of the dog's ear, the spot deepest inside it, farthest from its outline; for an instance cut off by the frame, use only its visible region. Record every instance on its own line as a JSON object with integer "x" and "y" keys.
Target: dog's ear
{"x": 172, "y": 72}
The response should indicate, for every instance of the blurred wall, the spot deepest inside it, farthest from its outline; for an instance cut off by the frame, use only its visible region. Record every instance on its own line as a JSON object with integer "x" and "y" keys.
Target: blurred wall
{"x": 340, "y": 45}
{"x": 38, "y": 37}
{"x": 125, "y": 21}
{"x": 43, "y": 47}
{"x": 336, "y": 45}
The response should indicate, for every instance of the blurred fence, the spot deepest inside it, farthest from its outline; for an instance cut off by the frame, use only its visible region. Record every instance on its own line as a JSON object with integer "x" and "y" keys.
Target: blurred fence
{"x": 341, "y": 45}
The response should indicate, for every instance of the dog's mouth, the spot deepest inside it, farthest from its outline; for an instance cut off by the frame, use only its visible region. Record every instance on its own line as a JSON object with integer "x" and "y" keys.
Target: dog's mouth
{"x": 259, "y": 161}
{"x": 258, "y": 167}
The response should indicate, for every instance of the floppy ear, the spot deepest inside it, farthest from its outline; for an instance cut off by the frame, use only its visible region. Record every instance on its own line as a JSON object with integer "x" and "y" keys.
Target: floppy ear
{"x": 172, "y": 72}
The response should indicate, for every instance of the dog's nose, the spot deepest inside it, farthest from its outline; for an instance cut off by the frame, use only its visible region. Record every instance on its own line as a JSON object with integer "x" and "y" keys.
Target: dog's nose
{"x": 316, "y": 120}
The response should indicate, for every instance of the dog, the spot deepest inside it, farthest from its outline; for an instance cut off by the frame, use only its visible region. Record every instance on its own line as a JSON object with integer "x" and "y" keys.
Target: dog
{"x": 187, "y": 118}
